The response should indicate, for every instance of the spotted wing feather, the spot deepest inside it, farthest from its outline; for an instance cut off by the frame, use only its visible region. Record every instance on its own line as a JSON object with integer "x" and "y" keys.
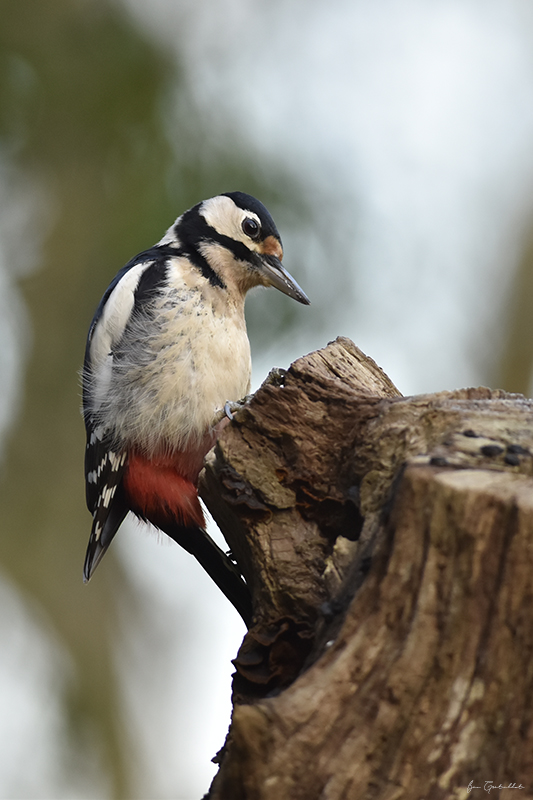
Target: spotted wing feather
{"x": 104, "y": 468}
{"x": 104, "y": 461}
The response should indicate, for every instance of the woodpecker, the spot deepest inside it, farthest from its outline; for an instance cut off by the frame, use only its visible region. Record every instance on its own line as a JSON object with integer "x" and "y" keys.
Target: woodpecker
{"x": 167, "y": 349}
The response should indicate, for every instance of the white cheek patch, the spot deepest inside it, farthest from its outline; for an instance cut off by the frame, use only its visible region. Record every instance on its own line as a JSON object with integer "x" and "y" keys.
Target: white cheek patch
{"x": 115, "y": 315}
{"x": 226, "y": 218}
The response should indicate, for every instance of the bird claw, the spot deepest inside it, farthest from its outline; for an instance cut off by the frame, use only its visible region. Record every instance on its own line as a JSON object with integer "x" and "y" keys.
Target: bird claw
{"x": 229, "y": 408}
{"x": 276, "y": 377}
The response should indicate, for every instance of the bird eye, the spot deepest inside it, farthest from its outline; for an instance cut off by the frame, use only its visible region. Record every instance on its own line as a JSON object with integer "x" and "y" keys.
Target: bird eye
{"x": 251, "y": 227}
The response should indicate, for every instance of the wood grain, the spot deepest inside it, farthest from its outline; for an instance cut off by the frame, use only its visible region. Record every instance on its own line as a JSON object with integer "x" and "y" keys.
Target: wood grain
{"x": 388, "y": 542}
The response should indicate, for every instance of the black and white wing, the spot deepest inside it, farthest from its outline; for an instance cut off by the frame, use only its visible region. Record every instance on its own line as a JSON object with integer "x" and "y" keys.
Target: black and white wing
{"x": 105, "y": 459}
{"x": 104, "y": 468}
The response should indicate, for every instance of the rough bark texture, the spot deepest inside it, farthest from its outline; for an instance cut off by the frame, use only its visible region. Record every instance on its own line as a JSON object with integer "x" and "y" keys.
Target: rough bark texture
{"x": 388, "y": 542}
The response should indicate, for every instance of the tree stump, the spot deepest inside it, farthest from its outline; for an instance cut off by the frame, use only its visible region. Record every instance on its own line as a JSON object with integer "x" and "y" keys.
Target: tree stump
{"x": 388, "y": 544}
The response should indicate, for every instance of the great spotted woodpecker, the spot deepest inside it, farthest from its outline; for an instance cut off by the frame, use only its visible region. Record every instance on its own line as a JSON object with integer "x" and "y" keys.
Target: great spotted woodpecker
{"x": 166, "y": 350}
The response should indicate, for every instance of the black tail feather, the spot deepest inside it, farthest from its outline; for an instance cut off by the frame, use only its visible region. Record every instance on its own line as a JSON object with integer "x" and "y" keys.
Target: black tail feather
{"x": 218, "y": 566}
{"x": 98, "y": 545}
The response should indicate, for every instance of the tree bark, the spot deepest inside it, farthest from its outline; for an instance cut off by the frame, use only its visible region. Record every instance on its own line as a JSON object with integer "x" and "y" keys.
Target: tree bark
{"x": 388, "y": 544}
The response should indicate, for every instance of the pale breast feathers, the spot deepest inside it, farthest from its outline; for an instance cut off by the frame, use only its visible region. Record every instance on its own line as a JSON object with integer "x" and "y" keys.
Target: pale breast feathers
{"x": 162, "y": 358}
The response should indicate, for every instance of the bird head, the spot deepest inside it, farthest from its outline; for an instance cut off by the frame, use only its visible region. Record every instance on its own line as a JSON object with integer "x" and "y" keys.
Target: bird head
{"x": 235, "y": 237}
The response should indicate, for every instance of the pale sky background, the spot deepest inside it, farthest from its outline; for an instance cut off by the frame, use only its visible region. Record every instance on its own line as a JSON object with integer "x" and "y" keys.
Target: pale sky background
{"x": 410, "y": 127}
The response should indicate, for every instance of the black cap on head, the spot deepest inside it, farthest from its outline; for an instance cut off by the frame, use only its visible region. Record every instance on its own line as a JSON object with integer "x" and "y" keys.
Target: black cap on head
{"x": 249, "y": 203}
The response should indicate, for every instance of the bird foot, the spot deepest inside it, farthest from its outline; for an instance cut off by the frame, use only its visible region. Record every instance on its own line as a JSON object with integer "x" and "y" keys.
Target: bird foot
{"x": 231, "y": 406}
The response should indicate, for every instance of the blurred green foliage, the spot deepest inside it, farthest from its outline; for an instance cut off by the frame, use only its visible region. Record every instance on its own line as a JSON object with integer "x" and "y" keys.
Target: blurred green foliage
{"x": 82, "y": 101}
{"x": 89, "y": 110}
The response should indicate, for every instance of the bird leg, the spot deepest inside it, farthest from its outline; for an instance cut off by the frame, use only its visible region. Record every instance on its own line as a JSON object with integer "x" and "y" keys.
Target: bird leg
{"x": 225, "y": 414}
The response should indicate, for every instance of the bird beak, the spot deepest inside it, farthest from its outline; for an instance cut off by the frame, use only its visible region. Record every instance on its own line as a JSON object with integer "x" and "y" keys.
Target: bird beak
{"x": 275, "y": 274}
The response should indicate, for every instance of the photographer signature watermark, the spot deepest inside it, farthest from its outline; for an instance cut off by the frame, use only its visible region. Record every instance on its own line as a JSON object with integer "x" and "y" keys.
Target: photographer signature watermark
{"x": 490, "y": 786}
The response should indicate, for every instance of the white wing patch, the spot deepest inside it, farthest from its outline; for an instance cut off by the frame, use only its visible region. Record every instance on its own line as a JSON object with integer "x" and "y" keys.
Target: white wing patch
{"x": 115, "y": 315}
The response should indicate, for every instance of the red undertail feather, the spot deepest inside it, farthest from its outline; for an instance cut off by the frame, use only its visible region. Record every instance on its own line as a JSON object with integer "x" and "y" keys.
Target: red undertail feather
{"x": 163, "y": 489}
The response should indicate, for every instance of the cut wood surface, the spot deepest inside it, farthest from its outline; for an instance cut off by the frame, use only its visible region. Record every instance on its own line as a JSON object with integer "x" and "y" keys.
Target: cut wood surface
{"x": 388, "y": 544}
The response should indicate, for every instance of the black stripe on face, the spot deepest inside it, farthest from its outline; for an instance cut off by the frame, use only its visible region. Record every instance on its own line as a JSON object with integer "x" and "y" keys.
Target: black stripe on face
{"x": 191, "y": 230}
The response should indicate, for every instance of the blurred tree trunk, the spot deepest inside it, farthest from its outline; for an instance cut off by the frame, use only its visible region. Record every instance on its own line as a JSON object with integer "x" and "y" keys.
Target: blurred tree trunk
{"x": 513, "y": 370}
{"x": 86, "y": 122}
{"x": 388, "y": 542}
